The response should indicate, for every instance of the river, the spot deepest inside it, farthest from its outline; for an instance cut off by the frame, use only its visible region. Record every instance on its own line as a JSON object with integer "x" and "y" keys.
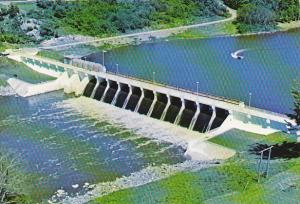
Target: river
{"x": 62, "y": 148}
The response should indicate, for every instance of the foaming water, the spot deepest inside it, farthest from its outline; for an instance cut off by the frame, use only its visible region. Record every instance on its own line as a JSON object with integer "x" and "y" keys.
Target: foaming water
{"x": 140, "y": 124}
{"x": 6, "y": 91}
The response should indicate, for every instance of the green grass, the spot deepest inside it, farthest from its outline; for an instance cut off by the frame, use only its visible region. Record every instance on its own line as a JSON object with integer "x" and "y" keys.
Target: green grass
{"x": 180, "y": 188}
{"x": 9, "y": 67}
{"x": 240, "y": 140}
{"x": 234, "y": 182}
{"x": 26, "y": 6}
{"x": 51, "y": 55}
{"x": 221, "y": 29}
{"x": 190, "y": 35}
{"x": 4, "y": 46}
{"x": 230, "y": 28}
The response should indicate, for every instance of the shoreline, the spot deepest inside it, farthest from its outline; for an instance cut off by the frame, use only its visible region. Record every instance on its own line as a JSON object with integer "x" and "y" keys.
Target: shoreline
{"x": 128, "y": 41}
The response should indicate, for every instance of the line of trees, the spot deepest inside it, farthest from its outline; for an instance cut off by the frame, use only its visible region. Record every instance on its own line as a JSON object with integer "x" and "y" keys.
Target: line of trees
{"x": 10, "y": 21}
{"x": 263, "y": 15}
{"x": 107, "y": 17}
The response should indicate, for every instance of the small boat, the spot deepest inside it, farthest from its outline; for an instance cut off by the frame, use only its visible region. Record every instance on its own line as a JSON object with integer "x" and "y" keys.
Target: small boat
{"x": 3, "y": 54}
{"x": 237, "y": 54}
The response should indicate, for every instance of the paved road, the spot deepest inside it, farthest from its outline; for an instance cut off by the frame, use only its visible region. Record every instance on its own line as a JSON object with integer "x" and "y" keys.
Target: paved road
{"x": 161, "y": 32}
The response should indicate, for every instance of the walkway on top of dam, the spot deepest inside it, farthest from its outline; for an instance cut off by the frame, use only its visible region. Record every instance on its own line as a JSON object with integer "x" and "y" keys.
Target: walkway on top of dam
{"x": 228, "y": 104}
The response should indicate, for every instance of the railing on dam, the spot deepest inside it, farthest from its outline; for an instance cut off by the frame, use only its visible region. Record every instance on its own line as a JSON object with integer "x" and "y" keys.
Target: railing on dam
{"x": 223, "y": 99}
{"x": 232, "y": 101}
{"x": 225, "y": 103}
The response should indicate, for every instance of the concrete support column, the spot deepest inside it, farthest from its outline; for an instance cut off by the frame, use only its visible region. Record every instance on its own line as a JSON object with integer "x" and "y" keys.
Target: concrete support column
{"x": 194, "y": 119}
{"x": 152, "y": 105}
{"x": 84, "y": 82}
{"x": 177, "y": 120}
{"x": 117, "y": 94}
{"x": 34, "y": 63}
{"x": 140, "y": 100}
{"x": 128, "y": 97}
{"x": 106, "y": 89}
{"x": 214, "y": 114}
{"x": 268, "y": 121}
{"x": 166, "y": 108}
{"x": 73, "y": 84}
{"x": 96, "y": 87}
{"x": 64, "y": 79}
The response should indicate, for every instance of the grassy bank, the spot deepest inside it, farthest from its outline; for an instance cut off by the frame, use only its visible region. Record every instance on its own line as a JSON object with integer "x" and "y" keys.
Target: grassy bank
{"x": 223, "y": 29}
{"x": 51, "y": 55}
{"x": 233, "y": 182}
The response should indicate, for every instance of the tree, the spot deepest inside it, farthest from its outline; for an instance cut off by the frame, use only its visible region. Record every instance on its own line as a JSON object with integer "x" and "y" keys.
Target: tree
{"x": 12, "y": 182}
{"x": 3, "y": 12}
{"x": 296, "y": 96}
{"x": 44, "y": 4}
{"x": 13, "y": 10}
{"x": 255, "y": 17}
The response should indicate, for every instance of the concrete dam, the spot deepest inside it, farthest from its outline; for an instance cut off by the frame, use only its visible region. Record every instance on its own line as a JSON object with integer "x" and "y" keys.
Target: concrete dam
{"x": 194, "y": 111}
{"x": 166, "y": 107}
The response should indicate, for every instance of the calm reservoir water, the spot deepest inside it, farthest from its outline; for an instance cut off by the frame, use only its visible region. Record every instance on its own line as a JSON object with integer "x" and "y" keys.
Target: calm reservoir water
{"x": 270, "y": 65}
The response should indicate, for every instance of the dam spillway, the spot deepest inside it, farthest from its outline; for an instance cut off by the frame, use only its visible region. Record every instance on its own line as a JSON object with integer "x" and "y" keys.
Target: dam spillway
{"x": 195, "y": 111}
{"x": 166, "y": 108}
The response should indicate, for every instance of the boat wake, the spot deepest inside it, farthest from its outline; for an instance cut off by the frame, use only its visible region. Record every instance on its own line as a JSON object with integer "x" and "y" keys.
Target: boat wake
{"x": 238, "y": 54}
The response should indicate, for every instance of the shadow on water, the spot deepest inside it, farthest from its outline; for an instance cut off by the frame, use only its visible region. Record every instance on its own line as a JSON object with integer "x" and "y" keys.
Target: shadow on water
{"x": 286, "y": 150}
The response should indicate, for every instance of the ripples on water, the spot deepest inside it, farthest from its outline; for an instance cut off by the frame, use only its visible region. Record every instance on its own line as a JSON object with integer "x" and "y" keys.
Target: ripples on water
{"x": 63, "y": 147}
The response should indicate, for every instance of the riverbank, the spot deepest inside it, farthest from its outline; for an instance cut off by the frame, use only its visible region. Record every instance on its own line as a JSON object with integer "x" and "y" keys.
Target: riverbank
{"x": 136, "y": 179}
{"x": 232, "y": 182}
{"x": 289, "y": 26}
{"x": 211, "y": 31}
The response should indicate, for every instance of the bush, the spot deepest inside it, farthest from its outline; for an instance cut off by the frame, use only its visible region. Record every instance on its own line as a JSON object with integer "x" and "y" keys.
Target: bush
{"x": 13, "y": 10}
{"x": 252, "y": 18}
